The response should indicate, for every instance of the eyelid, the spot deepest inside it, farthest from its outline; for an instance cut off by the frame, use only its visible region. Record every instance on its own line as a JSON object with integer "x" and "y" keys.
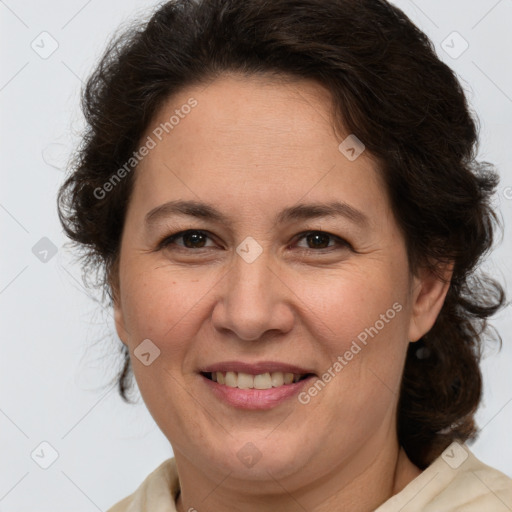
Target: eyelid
{"x": 168, "y": 240}
{"x": 341, "y": 242}
{"x": 303, "y": 234}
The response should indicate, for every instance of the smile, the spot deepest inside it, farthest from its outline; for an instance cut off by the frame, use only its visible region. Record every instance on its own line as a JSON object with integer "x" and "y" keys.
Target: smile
{"x": 242, "y": 380}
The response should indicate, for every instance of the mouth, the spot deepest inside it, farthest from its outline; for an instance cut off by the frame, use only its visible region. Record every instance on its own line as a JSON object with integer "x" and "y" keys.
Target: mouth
{"x": 261, "y": 381}
{"x": 260, "y": 385}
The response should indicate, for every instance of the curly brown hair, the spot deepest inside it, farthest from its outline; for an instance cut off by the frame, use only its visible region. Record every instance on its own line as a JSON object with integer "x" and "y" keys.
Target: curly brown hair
{"x": 389, "y": 87}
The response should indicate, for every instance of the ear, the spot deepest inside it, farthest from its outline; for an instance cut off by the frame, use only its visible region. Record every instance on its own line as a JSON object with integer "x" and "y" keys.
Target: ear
{"x": 429, "y": 291}
{"x": 120, "y": 322}
{"x": 114, "y": 284}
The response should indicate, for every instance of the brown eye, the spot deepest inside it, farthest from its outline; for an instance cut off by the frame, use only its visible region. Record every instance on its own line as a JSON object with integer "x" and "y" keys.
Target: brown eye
{"x": 192, "y": 239}
{"x": 318, "y": 240}
{"x": 321, "y": 240}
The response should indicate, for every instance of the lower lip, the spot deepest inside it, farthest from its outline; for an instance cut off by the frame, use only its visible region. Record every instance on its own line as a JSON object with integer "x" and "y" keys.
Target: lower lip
{"x": 255, "y": 399}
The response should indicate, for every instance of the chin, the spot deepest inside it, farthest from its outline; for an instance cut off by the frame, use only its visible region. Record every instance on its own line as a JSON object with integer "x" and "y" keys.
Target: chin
{"x": 262, "y": 459}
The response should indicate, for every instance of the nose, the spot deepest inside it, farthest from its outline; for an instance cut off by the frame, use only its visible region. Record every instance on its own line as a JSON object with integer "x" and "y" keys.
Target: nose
{"x": 253, "y": 300}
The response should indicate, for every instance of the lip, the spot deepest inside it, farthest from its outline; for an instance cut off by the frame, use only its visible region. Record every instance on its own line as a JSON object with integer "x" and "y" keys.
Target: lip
{"x": 255, "y": 399}
{"x": 255, "y": 368}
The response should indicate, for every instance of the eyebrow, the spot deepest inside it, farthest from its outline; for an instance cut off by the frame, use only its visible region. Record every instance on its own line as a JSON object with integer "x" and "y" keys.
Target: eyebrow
{"x": 302, "y": 211}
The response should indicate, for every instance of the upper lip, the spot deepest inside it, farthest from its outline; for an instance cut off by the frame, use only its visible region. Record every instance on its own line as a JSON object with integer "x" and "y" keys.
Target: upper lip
{"x": 255, "y": 368}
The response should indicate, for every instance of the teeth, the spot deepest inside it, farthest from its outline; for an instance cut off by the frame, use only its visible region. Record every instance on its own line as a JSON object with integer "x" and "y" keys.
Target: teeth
{"x": 245, "y": 381}
{"x": 231, "y": 379}
{"x": 262, "y": 381}
{"x": 277, "y": 379}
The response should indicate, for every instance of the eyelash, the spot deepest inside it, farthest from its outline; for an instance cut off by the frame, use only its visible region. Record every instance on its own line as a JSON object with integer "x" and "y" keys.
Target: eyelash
{"x": 171, "y": 239}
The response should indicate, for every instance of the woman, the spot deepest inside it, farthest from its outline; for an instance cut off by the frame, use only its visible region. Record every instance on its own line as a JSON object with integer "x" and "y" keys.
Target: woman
{"x": 284, "y": 200}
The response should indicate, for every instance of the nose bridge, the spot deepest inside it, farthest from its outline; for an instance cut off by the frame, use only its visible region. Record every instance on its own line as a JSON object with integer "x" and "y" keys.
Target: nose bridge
{"x": 250, "y": 278}
{"x": 251, "y": 300}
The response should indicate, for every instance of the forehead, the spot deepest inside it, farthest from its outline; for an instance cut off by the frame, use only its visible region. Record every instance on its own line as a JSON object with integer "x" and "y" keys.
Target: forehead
{"x": 253, "y": 137}
{"x": 251, "y": 114}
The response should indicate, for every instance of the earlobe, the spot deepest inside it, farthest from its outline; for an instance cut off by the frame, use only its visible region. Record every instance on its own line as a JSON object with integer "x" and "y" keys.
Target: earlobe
{"x": 429, "y": 291}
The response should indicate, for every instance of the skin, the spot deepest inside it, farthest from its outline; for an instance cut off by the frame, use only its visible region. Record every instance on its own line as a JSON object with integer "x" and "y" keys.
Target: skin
{"x": 251, "y": 147}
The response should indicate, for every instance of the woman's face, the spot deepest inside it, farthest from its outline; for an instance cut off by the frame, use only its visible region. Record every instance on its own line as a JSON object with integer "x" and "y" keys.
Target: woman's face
{"x": 294, "y": 265}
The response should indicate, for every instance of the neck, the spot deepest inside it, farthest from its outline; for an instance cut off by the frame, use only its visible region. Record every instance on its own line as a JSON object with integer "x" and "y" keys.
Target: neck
{"x": 350, "y": 487}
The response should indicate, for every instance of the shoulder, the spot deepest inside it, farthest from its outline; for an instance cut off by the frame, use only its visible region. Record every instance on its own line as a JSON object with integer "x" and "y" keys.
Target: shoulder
{"x": 158, "y": 491}
{"x": 455, "y": 481}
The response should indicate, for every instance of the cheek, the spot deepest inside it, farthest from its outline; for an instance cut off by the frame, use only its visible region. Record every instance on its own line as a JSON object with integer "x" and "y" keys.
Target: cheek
{"x": 161, "y": 306}
{"x": 355, "y": 305}
{"x": 164, "y": 307}
{"x": 360, "y": 320}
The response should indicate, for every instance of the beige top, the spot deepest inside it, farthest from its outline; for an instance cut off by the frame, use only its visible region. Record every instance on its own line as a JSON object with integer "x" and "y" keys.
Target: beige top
{"x": 455, "y": 482}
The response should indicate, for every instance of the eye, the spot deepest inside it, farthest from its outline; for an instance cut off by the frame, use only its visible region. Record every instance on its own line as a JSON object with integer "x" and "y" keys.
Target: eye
{"x": 197, "y": 239}
{"x": 192, "y": 239}
{"x": 321, "y": 240}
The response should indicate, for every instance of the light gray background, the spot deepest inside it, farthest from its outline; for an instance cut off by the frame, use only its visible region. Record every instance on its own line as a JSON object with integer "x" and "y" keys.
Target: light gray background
{"x": 57, "y": 344}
